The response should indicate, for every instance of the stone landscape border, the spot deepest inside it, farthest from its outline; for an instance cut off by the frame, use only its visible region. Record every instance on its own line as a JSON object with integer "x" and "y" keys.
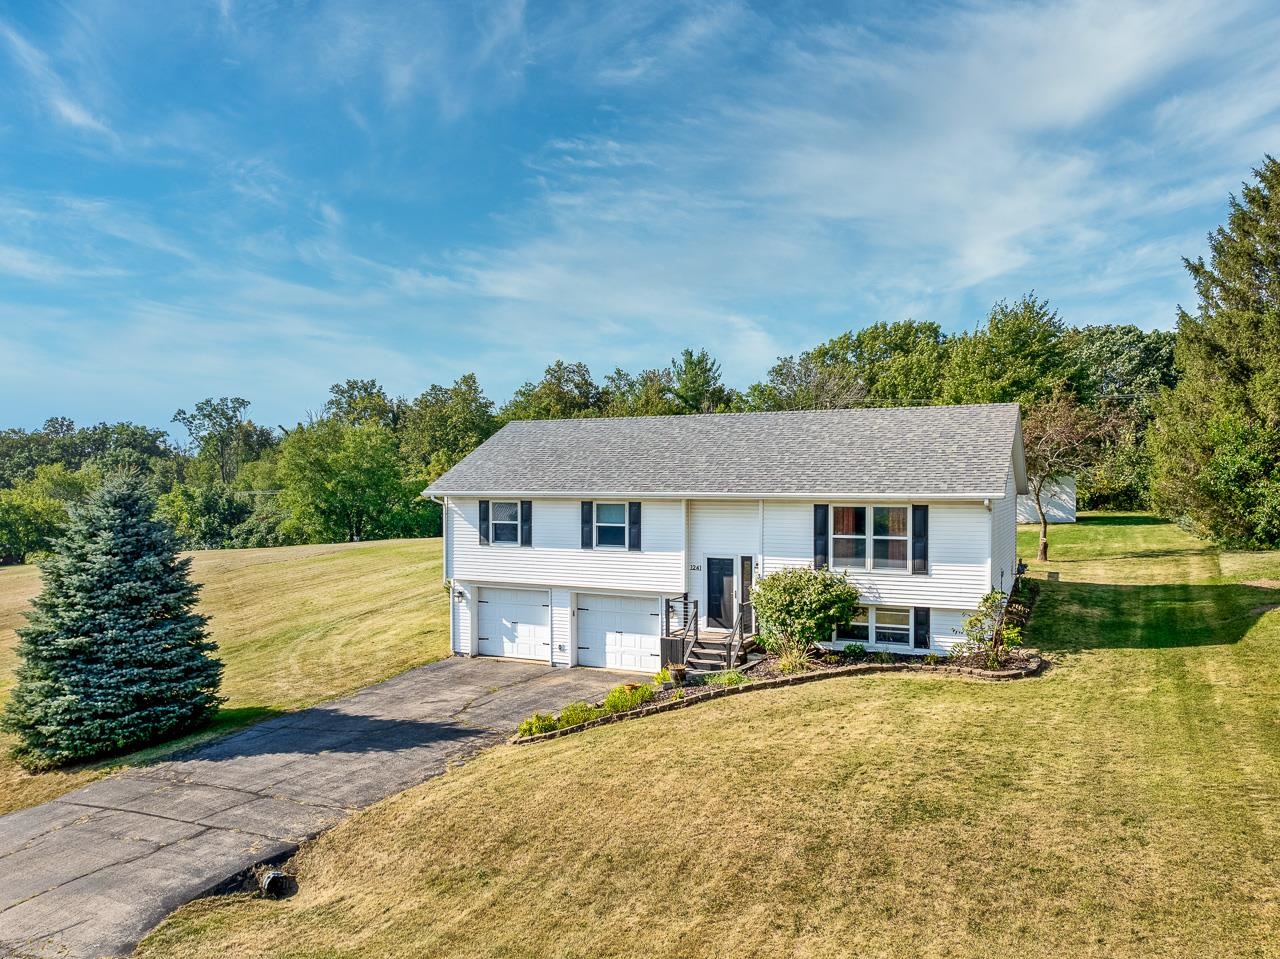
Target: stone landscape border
{"x": 1032, "y": 668}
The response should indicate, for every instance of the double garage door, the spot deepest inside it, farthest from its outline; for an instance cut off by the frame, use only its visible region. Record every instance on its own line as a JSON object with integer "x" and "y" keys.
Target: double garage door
{"x": 620, "y": 632}
{"x": 617, "y": 632}
{"x": 514, "y": 622}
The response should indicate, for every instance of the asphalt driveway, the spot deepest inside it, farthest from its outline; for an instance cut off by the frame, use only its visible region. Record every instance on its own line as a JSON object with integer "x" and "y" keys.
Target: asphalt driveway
{"x": 87, "y": 875}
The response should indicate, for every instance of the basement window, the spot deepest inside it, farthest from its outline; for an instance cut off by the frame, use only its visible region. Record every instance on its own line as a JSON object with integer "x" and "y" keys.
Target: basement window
{"x": 857, "y": 630}
{"x": 893, "y": 626}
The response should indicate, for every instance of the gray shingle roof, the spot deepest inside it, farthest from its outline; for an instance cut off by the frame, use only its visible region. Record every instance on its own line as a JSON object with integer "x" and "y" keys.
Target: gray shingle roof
{"x": 938, "y": 451}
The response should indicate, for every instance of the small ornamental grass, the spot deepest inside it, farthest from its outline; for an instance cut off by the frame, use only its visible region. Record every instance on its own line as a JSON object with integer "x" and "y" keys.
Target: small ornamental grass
{"x": 795, "y": 660}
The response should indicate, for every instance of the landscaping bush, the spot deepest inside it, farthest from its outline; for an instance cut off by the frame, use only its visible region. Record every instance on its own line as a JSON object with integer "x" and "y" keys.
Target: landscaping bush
{"x": 662, "y": 676}
{"x": 853, "y": 653}
{"x": 577, "y": 713}
{"x": 622, "y": 698}
{"x": 538, "y": 723}
{"x": 981, "y": 641}
{"x": 799, "y": 607}
{"x": 730, "y": 677}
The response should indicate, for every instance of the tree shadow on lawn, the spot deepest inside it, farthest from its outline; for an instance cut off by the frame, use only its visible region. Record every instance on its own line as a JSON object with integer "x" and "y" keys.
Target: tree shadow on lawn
{"x": 1121, "y": 519}
{"x": 1071, "y": 617}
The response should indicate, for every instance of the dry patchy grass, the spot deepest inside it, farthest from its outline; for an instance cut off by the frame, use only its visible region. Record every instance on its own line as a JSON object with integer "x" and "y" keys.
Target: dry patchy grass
{"x": 294, "y": 626}
{"x": 1125, "y": 804}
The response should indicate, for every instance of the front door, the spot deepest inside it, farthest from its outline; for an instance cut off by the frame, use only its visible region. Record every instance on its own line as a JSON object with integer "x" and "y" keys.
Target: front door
{"x": 720, "y": 593}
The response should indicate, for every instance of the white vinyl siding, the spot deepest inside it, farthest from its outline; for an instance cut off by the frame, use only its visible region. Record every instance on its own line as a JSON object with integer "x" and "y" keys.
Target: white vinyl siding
{"x": 463, "y": 619}
{"x": 1004, "y": 538}
{"x": 557, "y": 558}
{"x": 944, "y": 626}
{"x": 727, "y": 530}
{"x": 1059, "y": 502}
{"x": 959, "y": 564}
{"x": 562, "y": 627}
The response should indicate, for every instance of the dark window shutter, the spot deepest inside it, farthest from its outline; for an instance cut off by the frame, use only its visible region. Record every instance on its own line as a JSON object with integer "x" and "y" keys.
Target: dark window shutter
{"x": 588, "y": 524}
{"x": 484, "y": 522}
{"x": 526, "y": 522}
{"x": 922, "y": 629}
{"x": 820, "y": 536}
{"x": 633, "y": 526}
{"x": 919, "y": 539}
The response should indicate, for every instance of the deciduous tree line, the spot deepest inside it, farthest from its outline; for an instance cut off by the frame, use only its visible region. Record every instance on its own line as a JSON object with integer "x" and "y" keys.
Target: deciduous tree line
{"x": 1187, "y": 422}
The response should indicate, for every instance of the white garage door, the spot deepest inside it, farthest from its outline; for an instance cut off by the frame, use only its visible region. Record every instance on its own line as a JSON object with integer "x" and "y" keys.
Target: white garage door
{"x": 620, "y": 632}
{"x": 514, "y": 622}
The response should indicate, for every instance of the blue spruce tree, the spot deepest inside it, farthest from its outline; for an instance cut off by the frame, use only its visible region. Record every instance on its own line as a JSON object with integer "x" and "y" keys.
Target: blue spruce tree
{"x": 114, "y": 655}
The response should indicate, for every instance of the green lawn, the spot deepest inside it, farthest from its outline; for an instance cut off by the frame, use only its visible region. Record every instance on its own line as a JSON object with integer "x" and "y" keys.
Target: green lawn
{"x": 1125, "y": 804}
{"x": 294, "y": 626}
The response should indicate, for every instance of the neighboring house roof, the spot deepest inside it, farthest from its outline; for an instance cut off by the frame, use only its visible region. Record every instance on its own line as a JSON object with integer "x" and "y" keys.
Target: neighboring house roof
{"x": 944, "y": 452}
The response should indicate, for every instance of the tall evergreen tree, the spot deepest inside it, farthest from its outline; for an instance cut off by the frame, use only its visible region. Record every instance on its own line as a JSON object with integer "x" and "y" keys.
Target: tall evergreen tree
{"x": 114, "y": 655}
{"x": 1217, "y": 434}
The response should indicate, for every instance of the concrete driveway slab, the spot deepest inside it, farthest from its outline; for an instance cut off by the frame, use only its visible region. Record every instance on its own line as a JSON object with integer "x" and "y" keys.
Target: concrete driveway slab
{"x": 87, "y": 875}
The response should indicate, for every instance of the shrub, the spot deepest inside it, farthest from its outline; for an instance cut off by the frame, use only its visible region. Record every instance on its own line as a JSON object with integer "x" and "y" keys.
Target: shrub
{"x": 537, "y": 723}
{"x": 798, "y": 607}
{"x": 794, "y": 660}
{"x": 882, "y": 657}
{"x": 730, "y": 677}
{"x": 622, "y": 698}
{"x": 853, "y": 652}
{"x": 980, "y": 638}
{"x": 931, "y": 659}
{"x": 576, "y": 713}
{"x": 662, "y": 676}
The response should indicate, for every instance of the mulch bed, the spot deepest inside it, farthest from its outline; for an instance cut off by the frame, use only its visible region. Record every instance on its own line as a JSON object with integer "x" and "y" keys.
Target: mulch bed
{"x": 666, "y": 700}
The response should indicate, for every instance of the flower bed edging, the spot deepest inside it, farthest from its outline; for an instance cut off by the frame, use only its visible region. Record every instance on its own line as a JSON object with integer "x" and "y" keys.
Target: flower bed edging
{"x": 717, "y": 692}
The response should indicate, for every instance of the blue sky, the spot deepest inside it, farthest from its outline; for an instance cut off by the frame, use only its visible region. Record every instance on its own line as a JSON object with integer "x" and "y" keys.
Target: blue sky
{"x": 255, "y": 198}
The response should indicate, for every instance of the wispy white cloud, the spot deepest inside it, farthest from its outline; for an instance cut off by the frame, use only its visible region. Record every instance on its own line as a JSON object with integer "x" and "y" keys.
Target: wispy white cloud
{"x": 45, "y": 84}
{"x": 411, "y": 191}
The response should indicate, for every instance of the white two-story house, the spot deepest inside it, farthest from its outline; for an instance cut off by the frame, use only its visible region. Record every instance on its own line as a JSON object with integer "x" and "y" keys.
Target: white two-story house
{"x": 578, "y": 542}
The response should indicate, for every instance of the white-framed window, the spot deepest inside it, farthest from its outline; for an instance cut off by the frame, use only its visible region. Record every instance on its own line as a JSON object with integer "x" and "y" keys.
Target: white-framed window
{"x": 892, "y": 626}
{"x": 890, "y": 533}
{"x": 849, "y": 537}
{"x": 857, "y": 630}
{"x": 504, "y": 523}
{"x": 611, "y": 525}
{"x": 878, "y": 625}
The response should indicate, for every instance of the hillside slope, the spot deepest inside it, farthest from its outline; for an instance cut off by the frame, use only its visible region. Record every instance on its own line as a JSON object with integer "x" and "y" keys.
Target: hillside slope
{"x": 294, "y": 626}
{"x": 1127, "y": 803}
